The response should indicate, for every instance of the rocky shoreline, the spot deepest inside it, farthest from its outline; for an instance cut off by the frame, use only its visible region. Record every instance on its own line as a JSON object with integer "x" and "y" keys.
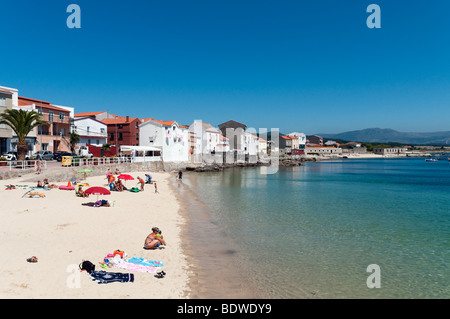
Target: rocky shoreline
{"x": 282, "y": 162}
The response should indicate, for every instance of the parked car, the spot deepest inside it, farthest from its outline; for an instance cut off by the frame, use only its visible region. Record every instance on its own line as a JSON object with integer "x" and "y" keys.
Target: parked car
{"x": 43, "y": 155}
{"x": 84, "y": 152}
{"x": 61, "y": 154}
{"x": 10, "y": 156}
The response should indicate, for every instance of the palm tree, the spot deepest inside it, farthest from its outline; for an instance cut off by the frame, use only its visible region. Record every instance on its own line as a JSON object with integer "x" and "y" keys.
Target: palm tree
{"x": 22, "y": 123}
{"x": 74, "y": 138}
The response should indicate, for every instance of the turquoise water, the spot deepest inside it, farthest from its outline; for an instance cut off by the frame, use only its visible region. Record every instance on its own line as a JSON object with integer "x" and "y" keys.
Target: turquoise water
{"x": 312, "y": 231}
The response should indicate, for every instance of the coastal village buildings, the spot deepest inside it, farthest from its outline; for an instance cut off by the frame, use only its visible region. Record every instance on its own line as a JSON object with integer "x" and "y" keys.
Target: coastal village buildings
{"x": 8, "y": 99}
{"x": 51, "y": 137}
{"x": 322, "y": 150}
{"x": 122, "y": 130}
{"x": 168, "y": 136}
{"x": 316, "y": 139}
{"x": 389, "y": 150}
{"x": 234, "y": 132}
{"x": 91, "y": 131}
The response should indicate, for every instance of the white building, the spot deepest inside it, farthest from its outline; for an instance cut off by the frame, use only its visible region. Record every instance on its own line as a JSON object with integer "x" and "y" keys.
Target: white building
{"x": 301, "y": 139}
{"x": 168, "y": 136}
{"x": 91, "y": 131}
{"x": 209, "y": 139}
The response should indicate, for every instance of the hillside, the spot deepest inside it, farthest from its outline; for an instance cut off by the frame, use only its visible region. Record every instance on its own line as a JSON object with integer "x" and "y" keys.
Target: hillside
{"x": 378, "y": 135}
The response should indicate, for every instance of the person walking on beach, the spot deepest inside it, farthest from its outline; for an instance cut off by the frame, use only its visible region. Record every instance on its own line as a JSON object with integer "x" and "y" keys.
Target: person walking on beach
{"x": 156, "y": 188}
{"x": 141, "y": 181}
{"x": 180, "y": 175}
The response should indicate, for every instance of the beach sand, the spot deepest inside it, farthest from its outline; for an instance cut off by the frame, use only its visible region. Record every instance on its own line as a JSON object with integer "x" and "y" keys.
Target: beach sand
{"x": 61, "y": 232}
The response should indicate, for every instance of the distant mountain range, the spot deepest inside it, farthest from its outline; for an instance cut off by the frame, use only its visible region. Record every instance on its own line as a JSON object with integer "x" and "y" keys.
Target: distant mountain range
{"x": 378, "y": 135}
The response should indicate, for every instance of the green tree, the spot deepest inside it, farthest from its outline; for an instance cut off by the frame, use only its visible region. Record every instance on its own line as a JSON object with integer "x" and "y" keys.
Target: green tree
{"x": 22, "y": 123}
{"x": 74, "y": 138}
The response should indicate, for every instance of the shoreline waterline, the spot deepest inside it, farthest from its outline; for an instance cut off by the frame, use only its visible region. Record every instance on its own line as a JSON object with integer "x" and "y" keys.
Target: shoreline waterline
{"x": 216, "y": 272}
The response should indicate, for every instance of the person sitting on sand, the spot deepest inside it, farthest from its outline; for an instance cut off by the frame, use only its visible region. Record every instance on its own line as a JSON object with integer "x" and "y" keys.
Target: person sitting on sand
{"x": 39, "y": 184}
{"x": 117, "y": 171}
{"x": 154, "y": 239}
{"x": 48, "y": 185}
{"x": 148, "y": 179}
{"x": 81, "y": 193}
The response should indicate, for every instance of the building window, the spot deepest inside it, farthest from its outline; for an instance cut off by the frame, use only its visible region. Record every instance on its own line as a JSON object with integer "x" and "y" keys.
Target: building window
{"x": 61, "y": 116}
{"x": 137, "y": 136}
{"x": 120, "y": 126}
{"x": 2, "y": 101}
{"x": 63, "y": 131}
{"x": 120, "y": 136}
{"x": 50, "y": 116}
{"x": 111, "y": 137}
{"x": 102, "y": 130}
{"x": 87, "y": 129}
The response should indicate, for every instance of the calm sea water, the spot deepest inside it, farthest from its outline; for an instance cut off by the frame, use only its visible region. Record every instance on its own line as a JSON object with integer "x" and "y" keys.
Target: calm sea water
{"x": 312, "y": 231}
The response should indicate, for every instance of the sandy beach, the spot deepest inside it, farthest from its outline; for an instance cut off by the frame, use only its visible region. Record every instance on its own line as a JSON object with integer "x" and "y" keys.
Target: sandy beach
{"x": 61, "y": 232}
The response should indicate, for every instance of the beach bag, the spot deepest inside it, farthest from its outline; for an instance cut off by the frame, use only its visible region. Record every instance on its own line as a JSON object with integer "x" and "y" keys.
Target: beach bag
{"x": 134, "y": 189}
{"x": 119, "y": 252}
{"x": 87, "y": 266}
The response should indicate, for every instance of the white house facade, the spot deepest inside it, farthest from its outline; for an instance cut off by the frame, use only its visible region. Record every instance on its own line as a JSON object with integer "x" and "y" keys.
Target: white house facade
{"x": 90, "y": 130}
{"x": 170, "y": 137}
{"x": 301, "y": 139}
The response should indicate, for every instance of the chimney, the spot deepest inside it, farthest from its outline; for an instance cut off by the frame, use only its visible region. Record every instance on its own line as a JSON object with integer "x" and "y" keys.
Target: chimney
{"x": 128, "y": 118}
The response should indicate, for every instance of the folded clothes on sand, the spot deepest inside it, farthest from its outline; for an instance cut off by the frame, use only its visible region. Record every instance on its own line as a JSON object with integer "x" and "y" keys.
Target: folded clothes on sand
{"x": 103, "y": 277}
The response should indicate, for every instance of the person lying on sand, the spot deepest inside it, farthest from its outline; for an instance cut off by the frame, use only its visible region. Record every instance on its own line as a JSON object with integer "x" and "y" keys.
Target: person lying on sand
{"x": 154, "y": 239}
{"x": 48, "y": 185}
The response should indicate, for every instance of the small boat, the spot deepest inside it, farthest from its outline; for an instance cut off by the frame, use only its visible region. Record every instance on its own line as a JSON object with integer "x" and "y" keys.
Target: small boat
{"x": 431, "y": 160}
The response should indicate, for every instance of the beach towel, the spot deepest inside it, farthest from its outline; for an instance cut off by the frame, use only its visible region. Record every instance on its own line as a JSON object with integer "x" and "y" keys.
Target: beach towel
{"x": 134, "y": 267}
{"x": 103, "y": 277}
{"x": 144, "y": 262}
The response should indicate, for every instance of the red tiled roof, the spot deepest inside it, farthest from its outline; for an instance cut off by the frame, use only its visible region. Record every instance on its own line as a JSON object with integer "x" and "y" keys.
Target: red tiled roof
{"x": 83, "y": 114}
{"x": 23, "y": 101}
{"x": 165, "y": 123}
{"x": 27, "y": 101}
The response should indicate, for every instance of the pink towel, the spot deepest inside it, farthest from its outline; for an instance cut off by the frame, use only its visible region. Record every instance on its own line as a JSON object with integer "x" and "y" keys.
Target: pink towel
{"x": 134, "y": 267}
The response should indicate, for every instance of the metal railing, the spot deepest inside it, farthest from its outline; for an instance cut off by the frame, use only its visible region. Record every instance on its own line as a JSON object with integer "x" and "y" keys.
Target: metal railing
{"x": 27, "y": 164}
{"x": 107, "y": 160}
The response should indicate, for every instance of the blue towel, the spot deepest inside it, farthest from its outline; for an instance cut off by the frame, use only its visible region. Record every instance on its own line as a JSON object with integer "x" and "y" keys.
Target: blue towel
{"x": 144, "y": 262}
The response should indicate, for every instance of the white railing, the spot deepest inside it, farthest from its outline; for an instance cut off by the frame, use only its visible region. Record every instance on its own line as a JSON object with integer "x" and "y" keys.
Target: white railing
{"x": 27, "y": 164}
{"x": 109, "y": 160}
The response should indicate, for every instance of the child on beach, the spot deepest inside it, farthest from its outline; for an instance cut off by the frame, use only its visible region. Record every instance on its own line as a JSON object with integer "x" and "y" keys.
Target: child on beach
{"x": 38, "y": 167}
{"x": 156, "y": 188}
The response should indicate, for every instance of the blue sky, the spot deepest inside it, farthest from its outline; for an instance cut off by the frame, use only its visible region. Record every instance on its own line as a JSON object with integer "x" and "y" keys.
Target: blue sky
{"x": 310, "y": 66}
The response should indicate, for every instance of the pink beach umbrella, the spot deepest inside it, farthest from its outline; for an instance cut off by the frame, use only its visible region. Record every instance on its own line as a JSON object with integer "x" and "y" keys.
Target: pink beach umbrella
{"x": 125, "y": 177}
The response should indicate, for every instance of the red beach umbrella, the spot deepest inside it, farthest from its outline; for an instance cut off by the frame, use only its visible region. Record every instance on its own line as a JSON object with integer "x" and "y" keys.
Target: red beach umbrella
{"x": 125, "y": 177}
{"x": 97, "y": 190}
